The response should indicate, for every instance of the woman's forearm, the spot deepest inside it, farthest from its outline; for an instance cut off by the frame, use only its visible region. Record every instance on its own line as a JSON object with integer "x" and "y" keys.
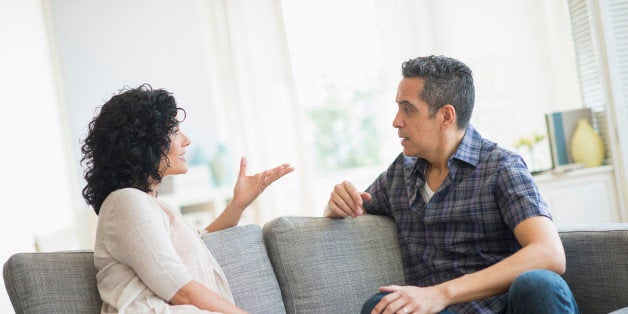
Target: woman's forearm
{"x": 229, "y": 217}
{"x": 198, "y": 295}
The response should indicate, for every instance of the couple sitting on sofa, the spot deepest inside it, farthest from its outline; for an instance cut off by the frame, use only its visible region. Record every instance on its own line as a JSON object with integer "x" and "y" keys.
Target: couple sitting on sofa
{"x": 474, "y": 232}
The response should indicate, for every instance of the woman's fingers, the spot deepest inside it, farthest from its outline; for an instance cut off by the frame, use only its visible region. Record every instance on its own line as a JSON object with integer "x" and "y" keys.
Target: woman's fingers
{"x": 276, "y": 173}
{"x": 242, "y": 167}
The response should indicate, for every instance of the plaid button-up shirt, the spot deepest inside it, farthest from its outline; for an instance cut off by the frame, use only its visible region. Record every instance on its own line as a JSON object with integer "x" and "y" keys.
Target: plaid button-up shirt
{"x": 468, "y": 223}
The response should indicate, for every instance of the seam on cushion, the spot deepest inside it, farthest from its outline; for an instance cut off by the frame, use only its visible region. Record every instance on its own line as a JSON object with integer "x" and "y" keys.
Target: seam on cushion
{"x": 267, "y": 259}
{"x": 294, "y": 309}
{"x": 254, "y": 238}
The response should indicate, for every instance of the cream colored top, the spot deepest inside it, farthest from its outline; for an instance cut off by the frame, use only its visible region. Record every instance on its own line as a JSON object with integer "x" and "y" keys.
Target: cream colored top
{"x": 145, "y": 252}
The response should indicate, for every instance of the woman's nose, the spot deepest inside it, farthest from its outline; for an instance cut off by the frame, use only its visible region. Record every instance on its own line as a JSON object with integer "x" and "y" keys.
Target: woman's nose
{"x": 186, "y": 140}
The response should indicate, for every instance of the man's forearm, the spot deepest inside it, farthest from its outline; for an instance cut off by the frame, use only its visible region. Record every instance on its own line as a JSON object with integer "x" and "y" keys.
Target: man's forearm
{"x": 541, "y": 249}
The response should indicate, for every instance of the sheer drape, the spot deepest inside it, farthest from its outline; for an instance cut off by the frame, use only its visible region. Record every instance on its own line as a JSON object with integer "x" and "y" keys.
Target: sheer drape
{"x": 252, "y": 85}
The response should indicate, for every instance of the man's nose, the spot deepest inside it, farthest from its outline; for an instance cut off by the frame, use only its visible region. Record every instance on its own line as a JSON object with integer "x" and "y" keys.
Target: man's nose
{"x": 397, "y": 122}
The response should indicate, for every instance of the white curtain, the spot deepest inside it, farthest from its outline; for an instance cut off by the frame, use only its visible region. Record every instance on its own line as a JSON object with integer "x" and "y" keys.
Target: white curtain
{"x": 256, "y": 105}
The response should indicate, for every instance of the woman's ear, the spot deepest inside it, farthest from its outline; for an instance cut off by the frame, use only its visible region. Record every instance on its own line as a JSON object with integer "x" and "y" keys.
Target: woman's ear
{"x": 448, "y": 118}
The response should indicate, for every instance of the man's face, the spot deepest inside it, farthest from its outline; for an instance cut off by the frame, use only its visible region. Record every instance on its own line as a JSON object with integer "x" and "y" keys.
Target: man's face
{"x": 418, "y": 131}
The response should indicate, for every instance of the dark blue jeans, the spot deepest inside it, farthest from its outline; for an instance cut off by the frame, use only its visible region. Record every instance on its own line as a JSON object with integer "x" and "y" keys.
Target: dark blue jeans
{"x": 536, "y": 291}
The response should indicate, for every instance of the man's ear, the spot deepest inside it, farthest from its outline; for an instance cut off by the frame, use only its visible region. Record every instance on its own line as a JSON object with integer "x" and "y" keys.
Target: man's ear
{"x": 448, "y": 117}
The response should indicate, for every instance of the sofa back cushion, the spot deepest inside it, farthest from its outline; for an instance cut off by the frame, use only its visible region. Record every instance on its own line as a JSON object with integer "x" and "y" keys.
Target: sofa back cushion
{"x": 242, "y": 256}
{"x": 62, "y": 282}
{"x": 65, "y": 282}
{"x": 332, "y": 265}
{"x": 597, "y": 265}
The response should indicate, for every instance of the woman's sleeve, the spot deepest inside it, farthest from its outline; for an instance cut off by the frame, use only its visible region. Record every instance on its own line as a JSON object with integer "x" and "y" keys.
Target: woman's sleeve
{"x": 137, "y": 234}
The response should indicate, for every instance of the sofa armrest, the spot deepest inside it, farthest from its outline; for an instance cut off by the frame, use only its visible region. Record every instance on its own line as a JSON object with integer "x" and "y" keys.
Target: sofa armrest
{"x": 58, "y": 282}
{"x": 597, "y": 265}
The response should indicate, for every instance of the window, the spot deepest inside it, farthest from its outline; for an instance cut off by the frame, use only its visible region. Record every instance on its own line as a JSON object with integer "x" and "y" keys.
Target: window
{"x": 346, "y": 58}
{"x": 314, "y": 83}
{"x": 338, "y": 70}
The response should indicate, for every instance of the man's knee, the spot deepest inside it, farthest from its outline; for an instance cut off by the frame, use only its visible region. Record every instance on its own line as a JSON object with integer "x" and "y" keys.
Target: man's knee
{"x": 541, "y": 289}
{"x": 538, "y": 282}
{"x": 372, "y": 302}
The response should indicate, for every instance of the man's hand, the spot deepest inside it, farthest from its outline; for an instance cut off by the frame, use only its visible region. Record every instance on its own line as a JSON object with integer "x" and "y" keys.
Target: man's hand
{"x": 410, "y": 299}
{"x": 346, "y": 201}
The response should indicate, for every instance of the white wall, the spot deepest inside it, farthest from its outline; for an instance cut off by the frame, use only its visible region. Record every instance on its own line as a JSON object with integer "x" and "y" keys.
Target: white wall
{"x": 35, "y": 188}
{"x": 184, "y": 47}
{"x": 104, "y": 46}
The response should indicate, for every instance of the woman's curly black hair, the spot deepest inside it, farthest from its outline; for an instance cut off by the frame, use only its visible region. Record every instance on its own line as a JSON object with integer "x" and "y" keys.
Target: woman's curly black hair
{"x": 126, "y": 142}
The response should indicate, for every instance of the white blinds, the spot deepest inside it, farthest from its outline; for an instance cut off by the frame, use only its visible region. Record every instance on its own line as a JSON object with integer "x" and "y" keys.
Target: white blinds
{"x": 600, "y": 33}
{"x": 591, "y": 63}
{"x": 615, "y": 18}
{"x": 587, "y": 54}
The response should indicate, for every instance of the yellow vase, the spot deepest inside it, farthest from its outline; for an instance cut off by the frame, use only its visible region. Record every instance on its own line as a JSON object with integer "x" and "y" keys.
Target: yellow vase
{"x": 587, "y": 147}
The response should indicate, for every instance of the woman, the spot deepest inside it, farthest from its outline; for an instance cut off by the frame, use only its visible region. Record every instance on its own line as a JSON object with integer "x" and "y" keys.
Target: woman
{"x": 148, "y": 259}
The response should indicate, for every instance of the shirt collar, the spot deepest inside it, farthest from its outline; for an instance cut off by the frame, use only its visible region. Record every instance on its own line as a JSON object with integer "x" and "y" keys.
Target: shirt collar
{"x": 411, "y": 165}
{"x": 468, "y": 151}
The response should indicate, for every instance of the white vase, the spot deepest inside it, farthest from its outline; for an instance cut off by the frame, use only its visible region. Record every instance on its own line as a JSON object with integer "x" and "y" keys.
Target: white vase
{"x": 587, "y": 147}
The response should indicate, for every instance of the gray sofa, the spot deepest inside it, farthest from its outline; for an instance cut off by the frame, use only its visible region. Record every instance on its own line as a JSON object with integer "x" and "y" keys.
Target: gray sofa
{"x": 313, "y": 265}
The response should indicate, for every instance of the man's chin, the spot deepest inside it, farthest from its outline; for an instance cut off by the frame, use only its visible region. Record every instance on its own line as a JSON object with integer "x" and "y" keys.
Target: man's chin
{"x": 409, "y": 153}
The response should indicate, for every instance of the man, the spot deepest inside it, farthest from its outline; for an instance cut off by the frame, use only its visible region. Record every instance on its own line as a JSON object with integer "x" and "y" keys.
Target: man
{"x": 471, "y": 222}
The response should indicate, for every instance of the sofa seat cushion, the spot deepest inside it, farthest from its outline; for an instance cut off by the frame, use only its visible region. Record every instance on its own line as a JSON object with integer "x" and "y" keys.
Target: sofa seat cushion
{"x": 332, "y": 265}
{"x": 242, "y": 256}
{"x": 597, "y": 265}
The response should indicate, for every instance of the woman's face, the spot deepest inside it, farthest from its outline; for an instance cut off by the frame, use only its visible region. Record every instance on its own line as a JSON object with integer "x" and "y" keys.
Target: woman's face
{"x": 176, "y": 154}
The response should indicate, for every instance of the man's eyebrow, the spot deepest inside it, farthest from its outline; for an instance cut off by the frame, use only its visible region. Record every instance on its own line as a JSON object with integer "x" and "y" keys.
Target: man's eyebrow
{"x": 405, "y": 102}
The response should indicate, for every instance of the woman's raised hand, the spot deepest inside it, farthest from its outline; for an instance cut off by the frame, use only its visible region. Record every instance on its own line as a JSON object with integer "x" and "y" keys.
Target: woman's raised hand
{"x": 248, "y": 188}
